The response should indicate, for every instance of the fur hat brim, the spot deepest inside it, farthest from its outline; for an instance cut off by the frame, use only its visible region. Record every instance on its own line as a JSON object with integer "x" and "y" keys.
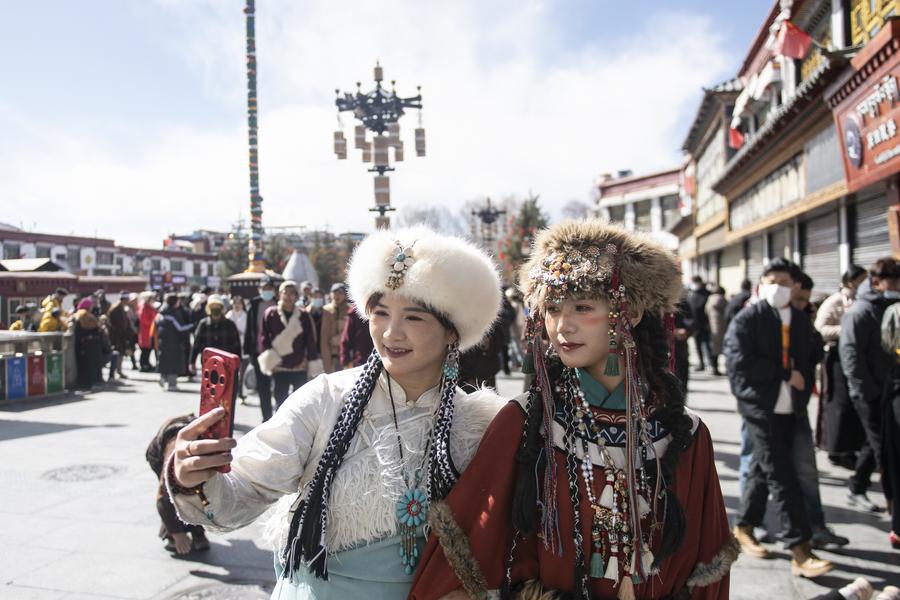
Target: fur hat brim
{"x": 447, "y": 274}
{"x": 649, "y": 271}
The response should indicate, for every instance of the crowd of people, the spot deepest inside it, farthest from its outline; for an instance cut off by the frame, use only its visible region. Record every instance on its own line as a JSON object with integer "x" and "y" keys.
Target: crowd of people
{"x": 780, "y": 346}
{"x": 779, "y": 342}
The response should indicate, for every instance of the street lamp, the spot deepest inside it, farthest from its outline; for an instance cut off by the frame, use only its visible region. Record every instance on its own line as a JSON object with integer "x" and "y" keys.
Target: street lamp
{"x": 379, "y": 112}
{"x": 488, "y": 217}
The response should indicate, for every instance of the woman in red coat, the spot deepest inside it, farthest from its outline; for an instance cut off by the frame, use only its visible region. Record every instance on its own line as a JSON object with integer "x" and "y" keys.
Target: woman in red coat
{"x": 146, "y": 317}
{"x": 599, "y": 482}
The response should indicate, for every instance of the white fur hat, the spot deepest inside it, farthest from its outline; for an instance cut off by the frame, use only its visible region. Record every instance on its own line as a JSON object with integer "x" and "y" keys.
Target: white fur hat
{"x": 442, "y": 272}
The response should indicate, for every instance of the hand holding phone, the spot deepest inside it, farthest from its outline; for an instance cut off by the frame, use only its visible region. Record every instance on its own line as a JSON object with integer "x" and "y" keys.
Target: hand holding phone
{"x": 218, "y": 389}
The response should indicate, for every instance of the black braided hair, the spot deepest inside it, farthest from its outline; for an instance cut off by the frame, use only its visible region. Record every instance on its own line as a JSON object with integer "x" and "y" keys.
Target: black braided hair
{"x": 442, "y": 473}
{"x": 651, "y": 340}
{"x": 306, "y": 535}
{"x": 525, "y": 497}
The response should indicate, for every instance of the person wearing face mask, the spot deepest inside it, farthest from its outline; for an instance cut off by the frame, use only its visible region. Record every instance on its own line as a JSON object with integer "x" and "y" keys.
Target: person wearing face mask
{"x": 867, "y": 366}
{"x": 316, "y": 304}
{"x": 804, "y": 449}
{"x": 215, "y": 330}
{"x": 252, "y": 345}
{"x": 767, "y": 350}
{"x": 842, "y": 433}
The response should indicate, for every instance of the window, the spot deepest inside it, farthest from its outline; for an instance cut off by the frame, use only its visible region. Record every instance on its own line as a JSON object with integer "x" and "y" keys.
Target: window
{"x": 155, "y": 264}
{"x": 74, "y": 258}
{"x": 198, "y": 269}
{"x": 617, "y": 213}
{"x": 105, "y": 258}
{"x": 642, "y": 221}
{"x": 177, "y": 266}
{"x": 11, "y": 251}
{"x": 43, "y": 252}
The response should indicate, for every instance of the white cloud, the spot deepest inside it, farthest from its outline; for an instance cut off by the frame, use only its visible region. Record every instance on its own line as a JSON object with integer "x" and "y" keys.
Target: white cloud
{"x": 509, "y": 107}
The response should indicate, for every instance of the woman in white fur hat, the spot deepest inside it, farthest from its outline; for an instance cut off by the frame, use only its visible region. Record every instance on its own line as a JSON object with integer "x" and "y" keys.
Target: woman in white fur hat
{"x": 358, "y": 455}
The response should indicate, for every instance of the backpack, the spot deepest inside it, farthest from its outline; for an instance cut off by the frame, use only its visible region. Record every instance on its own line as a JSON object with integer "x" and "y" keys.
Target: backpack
{"x": 890, "y": 330}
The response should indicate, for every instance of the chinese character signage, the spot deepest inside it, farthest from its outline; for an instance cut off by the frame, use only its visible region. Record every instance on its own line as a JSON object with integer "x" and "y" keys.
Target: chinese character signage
{"x": 866, "y": 105}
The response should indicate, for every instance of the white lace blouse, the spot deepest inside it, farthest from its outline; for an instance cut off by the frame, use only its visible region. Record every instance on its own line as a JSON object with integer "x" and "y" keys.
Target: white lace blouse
{"x": 277, "y": 458}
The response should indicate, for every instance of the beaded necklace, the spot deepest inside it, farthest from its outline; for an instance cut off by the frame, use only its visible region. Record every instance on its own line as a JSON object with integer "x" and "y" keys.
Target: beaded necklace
{"x": 614, "y": 547}
{"x": 412, "y": 506}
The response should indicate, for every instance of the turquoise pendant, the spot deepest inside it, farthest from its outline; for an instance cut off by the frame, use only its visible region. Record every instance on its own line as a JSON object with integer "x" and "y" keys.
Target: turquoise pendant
{"x": 412, "y": 511}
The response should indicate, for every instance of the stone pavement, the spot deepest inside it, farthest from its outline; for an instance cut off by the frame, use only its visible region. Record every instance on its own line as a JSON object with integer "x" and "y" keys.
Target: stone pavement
{"x": 78, "y": 518}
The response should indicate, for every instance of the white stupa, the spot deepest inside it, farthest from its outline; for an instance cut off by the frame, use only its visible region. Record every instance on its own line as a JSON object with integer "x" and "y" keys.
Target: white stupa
{"x": 300, "y": 268}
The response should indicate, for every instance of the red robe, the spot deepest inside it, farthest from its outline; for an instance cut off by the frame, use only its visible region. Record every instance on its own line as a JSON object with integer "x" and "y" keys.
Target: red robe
{"x": 481, "y": 502}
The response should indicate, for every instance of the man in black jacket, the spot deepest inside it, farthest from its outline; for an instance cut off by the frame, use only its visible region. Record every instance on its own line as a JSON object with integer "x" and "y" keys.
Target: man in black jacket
{"x": 738, "y": 301}
{"x": 767, "y": 348}
{"x": 252, "y": 344}
{"x": 866, "y": 366}
{"x": 696, "y": 300}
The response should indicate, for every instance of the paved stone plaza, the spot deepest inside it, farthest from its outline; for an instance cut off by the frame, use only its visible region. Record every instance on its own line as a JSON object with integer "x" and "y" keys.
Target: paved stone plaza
{"x": 78, "y": 518}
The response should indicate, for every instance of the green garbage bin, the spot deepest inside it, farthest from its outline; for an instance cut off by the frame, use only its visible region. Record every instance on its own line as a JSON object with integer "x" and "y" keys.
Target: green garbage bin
{"x": 55, "y": 372}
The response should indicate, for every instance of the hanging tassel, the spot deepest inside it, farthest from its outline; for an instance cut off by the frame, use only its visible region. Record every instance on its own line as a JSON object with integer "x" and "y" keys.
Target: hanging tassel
{"x": 647, "y": 561}
{"x": 643, "y": 506}
{"x": 612, "y": 567}
{"x": 626, "y": 590}
{"x": 596, "y": 565}
{"x": 612, "y": 365}
{"x": 606, "y": 497}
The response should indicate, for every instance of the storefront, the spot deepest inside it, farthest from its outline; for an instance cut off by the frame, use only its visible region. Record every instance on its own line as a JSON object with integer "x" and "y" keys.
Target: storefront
{"x": 820, "y": 251}
{"x": 865, "y": 101}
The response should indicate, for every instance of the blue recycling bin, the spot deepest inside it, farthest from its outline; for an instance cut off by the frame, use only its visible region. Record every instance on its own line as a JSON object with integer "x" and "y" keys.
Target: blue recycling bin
{"x": 16, "y": 377}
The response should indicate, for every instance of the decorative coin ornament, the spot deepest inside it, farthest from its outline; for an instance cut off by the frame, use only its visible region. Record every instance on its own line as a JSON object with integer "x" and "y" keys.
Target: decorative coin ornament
{"x": 400, "y": 261}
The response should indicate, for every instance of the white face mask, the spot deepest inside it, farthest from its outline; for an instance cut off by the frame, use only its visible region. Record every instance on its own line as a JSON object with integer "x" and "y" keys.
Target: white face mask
{"x": 778, "y": 296}
{"x": 316, "y": 303}
{"x": 891, "y": 294}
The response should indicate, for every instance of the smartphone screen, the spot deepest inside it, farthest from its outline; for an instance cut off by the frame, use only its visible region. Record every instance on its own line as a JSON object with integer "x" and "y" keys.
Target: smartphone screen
{"x": 219, "y": 387}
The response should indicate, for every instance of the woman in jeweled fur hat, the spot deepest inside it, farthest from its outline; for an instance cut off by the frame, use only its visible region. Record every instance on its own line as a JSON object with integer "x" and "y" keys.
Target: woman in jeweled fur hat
{"x": 597, "y": 483}
{"x": 357, "y": 456}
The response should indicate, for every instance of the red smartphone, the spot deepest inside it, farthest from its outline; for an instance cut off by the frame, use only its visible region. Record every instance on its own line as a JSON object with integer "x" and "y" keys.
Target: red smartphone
{"x": 219, "y": 387}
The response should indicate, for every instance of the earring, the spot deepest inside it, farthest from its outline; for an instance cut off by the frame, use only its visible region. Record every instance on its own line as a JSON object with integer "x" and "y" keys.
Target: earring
{"x": 451, "y": 362}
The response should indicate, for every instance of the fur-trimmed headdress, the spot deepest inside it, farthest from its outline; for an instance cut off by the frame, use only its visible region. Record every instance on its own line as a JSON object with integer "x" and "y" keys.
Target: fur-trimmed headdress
{"x": 443, "y": 273}
{"x": 578, "y": 258}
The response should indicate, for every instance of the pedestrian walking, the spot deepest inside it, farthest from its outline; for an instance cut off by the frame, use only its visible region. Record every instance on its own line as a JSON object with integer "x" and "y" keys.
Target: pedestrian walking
{"x": 170, "y": 330}
{"x": 842, "y": 434}
{"x": 867, "y": 366}
{"x": 215, "y": 331}
{"x": 715, "y": 314}
{"x": 479, "y": 366}
{"x": 890, "y": 443}
{"x": 253, "y": 342}
{"x": 237, "y": 314}
{"x": 334, "y": 317}
{"x": 120, "y": 331}
{"x": 594, "y": 503}
{"x": 738, "y": 301}
{"x": 696, "y": 299}
{"x": 109, "y": 355}
{"x": 356, "y": 343}
{"x": 88, "y": 359}
{"x": 767, "y": 349}
{"x": 363, "y": 454}
{"x": 288, "y": 343}
{"x": 146, "y": 317}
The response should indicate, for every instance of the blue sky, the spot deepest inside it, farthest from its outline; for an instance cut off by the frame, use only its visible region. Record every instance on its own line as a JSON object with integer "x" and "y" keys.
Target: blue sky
{"x": 140, "y": 104}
